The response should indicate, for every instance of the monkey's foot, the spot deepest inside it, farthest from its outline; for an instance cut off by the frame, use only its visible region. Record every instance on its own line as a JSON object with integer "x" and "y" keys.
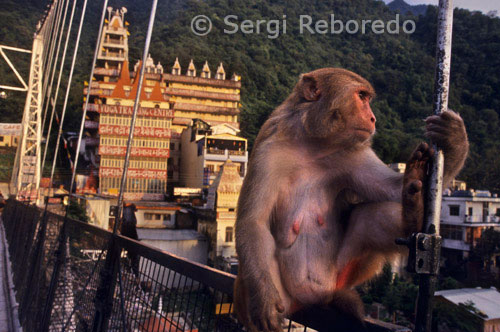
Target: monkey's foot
{"x": 413, "y": 182}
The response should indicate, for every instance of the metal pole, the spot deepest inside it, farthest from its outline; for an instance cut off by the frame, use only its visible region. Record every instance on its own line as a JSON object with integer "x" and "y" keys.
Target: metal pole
{"x": 423, "y": 320}
{"x": 61, "y": 67}
{"x": 68, "y": 88}
{"x": 105, "y": 291}
{"x": 82, "y": 125}
{"x": 134, "y": 115}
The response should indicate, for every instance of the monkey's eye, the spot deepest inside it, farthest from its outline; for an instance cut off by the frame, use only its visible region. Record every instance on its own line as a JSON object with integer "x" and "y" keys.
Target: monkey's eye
{"x": 364, "y": 96}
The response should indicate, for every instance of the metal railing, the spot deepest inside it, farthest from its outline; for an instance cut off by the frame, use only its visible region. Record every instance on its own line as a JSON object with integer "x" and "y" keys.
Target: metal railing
{"x": 124, "y": 283}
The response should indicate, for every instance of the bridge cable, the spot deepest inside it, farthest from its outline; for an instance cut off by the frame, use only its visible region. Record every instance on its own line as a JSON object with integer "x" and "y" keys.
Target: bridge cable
{"x": 49, "y": 92}
{"x": 68, "y": 88}
{"x": 53, "y": 42}
{"x": 61, "y": 68}
{"x": 84, "y": 114}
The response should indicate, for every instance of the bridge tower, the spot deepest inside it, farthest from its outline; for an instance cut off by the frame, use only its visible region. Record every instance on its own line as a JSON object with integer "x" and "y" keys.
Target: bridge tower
{"x": 26, "y": 172}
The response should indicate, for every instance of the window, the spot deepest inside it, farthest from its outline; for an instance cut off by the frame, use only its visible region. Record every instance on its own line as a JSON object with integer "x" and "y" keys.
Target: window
{"x": 229, "y": 234}
{"x": 451, "y": 232}
{"x": 1, "y": 138}
{"x": 454, "y": 210}
{"x": 470, "y": 211}
{"x": 497, "y": 213}
{"x": 148, "y": 216}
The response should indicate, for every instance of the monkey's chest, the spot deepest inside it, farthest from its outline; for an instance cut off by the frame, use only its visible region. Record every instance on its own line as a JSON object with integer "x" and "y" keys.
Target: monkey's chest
{"x": 305, "y": 214}
{"x": 308, "y": 236}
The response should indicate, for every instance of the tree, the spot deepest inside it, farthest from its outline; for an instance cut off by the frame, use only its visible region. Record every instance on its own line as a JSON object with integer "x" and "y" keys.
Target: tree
{"x": 487, "y": 246}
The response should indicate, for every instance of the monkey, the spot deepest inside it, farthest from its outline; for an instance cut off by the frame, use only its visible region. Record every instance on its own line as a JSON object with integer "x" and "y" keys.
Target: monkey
{"x": 319, "y": 212}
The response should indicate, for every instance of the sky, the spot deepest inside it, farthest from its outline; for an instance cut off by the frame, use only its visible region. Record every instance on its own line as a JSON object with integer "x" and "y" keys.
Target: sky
{"x": 483, "y": 5}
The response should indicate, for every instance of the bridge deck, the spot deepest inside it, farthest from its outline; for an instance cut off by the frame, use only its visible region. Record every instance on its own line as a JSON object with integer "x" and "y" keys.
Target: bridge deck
{"x": 9, "y": 321}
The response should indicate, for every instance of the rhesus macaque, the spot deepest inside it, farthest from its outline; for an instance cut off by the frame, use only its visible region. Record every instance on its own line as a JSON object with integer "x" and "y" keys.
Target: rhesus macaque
{"x": 319, "y": 212}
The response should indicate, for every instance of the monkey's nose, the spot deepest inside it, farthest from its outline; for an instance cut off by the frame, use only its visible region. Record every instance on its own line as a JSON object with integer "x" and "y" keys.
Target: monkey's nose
{"x": 372, "y": 119}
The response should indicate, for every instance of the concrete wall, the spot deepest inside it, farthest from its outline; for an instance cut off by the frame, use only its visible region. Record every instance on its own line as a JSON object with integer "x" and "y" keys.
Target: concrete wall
{"x": 191, "y": 171}
{"x": 98, "y": 212}
{"x": 193, "y": 249}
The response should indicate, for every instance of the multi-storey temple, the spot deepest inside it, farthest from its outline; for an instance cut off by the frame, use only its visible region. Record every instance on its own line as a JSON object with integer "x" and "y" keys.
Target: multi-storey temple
{"x": 169, "y": 102}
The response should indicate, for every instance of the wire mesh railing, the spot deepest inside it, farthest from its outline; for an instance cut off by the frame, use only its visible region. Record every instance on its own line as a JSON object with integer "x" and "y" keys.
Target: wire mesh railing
{"x": 72, "y": 276}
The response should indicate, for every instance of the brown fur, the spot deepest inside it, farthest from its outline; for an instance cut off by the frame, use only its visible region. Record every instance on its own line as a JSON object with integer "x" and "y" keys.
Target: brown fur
{"x": 318, "y": 208}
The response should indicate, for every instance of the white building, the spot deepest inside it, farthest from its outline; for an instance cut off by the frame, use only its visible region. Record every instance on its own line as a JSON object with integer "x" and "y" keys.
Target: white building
{"x": 205, "y": 148}
{"x": 464, "y": 216}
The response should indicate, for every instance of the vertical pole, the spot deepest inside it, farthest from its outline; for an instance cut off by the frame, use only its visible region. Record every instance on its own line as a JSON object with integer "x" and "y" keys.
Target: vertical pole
{"x": 105, "y": 291}
{"x": 134, "y": 115}
{"x": 433, "y": 208}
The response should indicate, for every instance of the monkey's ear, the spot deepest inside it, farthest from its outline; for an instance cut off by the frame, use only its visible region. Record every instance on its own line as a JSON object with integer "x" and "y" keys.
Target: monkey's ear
{"x": 309, "y": 88}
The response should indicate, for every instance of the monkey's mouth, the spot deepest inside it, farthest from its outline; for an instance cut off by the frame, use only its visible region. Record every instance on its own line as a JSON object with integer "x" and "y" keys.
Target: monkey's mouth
{"x": 366, "y": 130}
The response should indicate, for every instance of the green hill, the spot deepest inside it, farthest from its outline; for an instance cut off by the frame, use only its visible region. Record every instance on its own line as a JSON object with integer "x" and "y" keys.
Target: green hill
{"x": 401, "y": 67}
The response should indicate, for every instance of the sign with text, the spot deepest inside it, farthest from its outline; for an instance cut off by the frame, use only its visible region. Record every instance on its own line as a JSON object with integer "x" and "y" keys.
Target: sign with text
{"x": 105, "y": 129}
{"x": 141, "y": 111}
{"x": 135, "y": 152}
{"x": 11, "y": 129}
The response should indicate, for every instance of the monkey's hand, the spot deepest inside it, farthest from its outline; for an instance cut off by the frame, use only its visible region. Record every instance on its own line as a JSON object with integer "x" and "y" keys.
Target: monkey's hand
{"x": 413, "y": 182}
{"x": 266, "y": 307}
{"x": 447, "y": 131}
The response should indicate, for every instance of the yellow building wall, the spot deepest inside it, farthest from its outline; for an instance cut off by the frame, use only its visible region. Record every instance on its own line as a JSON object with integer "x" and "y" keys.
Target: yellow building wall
{"x": 8, "y": 141}
{"x": 206, "y": 88}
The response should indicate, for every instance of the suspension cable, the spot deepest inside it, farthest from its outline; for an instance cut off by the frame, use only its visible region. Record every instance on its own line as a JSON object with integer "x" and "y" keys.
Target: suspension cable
{"x": 49, "y": 92}
{"x": 68, "y": 88}
{"x": 53, "y": 41}
{"x": 84, "y": 114}
{"x": 61, "y": 67}
{"x": 134, "y": 114}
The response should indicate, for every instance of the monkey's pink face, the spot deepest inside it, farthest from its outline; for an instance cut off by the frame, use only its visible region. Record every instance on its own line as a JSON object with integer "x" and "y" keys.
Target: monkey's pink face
{"x": 362, "y": 118}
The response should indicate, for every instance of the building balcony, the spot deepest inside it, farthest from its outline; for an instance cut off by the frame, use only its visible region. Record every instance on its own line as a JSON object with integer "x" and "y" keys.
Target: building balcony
{"x": 98, "y": 92}
{"x": 495, "y": 219}
{"x": 92, "y": 107}
{"x": 91, "y": 141}
{"x": 472, "y": 219}
{"x": 114, "y": 43}
{"x": 106, "y": 72}
{"x": 115, "y": 30}
{"x": 206, "y": 109}
{"x": 202, "y": 94}
{"x": 456, "y": 244}
{"x": 202, "y": 81}
{"x": 223, "y": 155}
{"x": 91, "y": 124}
{"x": 114, "y": 56}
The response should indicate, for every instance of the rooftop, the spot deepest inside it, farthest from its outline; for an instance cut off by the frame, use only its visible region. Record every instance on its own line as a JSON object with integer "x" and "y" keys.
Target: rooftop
{"x": 169, "y": 234}
{"x": 485, "y": 300}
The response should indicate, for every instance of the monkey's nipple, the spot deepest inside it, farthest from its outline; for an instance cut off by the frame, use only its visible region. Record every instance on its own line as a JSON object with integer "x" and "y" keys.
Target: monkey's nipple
{"x": 321, "y": 221}
{"x": 296, "y": 227}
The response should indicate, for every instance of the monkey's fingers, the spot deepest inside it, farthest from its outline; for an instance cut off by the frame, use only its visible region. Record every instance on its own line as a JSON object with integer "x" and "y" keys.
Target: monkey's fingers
{"x": 274, "y": 324}
{"x": 414, "y": 187}
{"x": 438, "y": 128}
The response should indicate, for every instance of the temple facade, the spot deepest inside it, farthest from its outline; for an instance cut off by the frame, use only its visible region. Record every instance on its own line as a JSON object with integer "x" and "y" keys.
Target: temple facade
{"x": 169, "y": 102}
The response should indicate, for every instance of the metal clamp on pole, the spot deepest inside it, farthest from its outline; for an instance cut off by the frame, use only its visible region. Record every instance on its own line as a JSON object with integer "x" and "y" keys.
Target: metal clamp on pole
{"x": 424, "y": 252}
